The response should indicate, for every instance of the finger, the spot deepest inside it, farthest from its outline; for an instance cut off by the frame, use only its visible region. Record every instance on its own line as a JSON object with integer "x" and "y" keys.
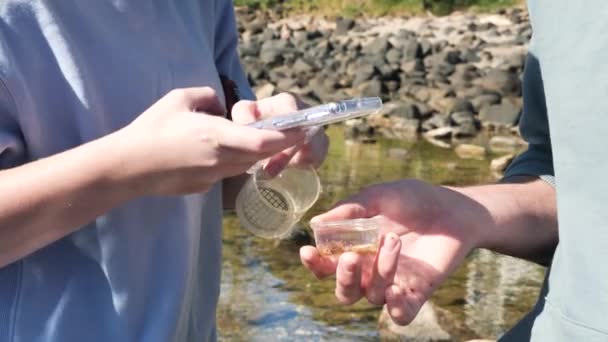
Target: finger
{"x": 401, "y": 306}
{"x": 280, "y": 104}
{"x": 203, "y": 99}
{"x": 364, "y": 204}
{"x": 314, "y": 152}
{"x": 384, "y": 269}
{"x": 345, "y": 211}
{"x": 278, "y": 162}
{"x": 321, "y": 267}
{"x": 253, "y": 140}
{"x": 245, "y": 112}
{"x": 348, "y": 278}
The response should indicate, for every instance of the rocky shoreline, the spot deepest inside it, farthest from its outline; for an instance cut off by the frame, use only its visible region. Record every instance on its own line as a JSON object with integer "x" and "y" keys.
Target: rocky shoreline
{"x": 443, "y": 78}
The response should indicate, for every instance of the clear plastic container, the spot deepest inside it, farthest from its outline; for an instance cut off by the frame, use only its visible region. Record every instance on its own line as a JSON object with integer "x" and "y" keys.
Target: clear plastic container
{"x": 270, "y": 207}
{"x": 361, "y": 236}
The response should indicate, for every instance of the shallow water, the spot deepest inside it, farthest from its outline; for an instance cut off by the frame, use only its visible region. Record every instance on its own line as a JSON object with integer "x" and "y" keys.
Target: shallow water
{"x": 267, "y": 295}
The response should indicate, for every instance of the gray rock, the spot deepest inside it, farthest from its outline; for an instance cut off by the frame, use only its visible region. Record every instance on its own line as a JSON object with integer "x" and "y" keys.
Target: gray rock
{"x": 271, "y": 56}
{"x": 358, "y": 129}
{"x": 369, "y": 88}
{"x": 465, "y": 129}
{"x": 506, "y": 113}
{"x": 301, "y": 66}
{"x": 501, "y": 143}
{"x": 256, "y": 26}
{"x": 485, "y": 100}
{"x": 265, "y": 91}
{"x": 460, "y": 118}
{"x": 391, "y": 86}
{"x": 439, "y": 133}
{"x": 412, "y": 49}
{"x": 425, "y": 48}
{"x": 286, "y": 84}
{"x": 269, "y": 34}
{"x": 405, "y": 128}
{"x": 425, "y": 111}
{"x": 461, "y": 105}
{"x": 451, "y": 57}
{"x": 393, "y": 56}
{"x": 514, "y": 61}
{"x": 436, "y": 121}
{"x": 412, "y": 66}
{"x": 502, "y": 81}
{"x": 343, "y": 25}
{"x": 470, "y": 151}
{"x": 362, "y": 72}
{"x": 378, "y": 46}
{"x": 401, "y": 110}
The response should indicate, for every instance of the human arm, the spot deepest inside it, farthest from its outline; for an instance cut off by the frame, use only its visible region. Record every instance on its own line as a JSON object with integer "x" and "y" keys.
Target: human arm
{"x": 228, "y": 64}
{"x": 436, "y": 227}
{"x": 190, "y": 150}
{"x": 433, "y": 229}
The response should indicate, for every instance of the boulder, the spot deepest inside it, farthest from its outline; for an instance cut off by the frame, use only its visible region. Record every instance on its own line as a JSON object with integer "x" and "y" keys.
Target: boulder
{"x": 401, "y": 110}
{"x": 264, "y": 91}
{"x": 439, "y": 133}
{"x": 485, "y": 100}
{"x": 504, "y": 114}
{"x": 503, "y": 143}
{"x": 470, "y": 151}
{"x": 505, "y": 82}
{"x": 369, "y": 88}
{"x": 344, "y": 25}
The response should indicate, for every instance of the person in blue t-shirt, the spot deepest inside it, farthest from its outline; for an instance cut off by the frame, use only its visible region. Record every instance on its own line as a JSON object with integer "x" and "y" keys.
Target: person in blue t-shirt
{"x": 116, "y": 161}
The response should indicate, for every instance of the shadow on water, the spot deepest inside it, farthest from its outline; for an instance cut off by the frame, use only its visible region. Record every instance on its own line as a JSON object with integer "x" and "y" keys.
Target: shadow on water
{"x": 268, "y": 296}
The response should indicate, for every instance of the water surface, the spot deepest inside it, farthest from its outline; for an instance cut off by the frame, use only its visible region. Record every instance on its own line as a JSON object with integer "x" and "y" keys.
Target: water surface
{"x": 267, "y": 295}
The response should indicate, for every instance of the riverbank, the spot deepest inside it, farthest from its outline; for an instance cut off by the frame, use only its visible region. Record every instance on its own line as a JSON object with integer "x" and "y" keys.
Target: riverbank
{"x": 443, "y": 78}
{"x": 364, "y": 8}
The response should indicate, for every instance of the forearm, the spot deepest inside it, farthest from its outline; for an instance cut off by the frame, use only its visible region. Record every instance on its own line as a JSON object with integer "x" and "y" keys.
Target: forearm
{"x": 518, "y": 219}
{"x": 48, "y": 199}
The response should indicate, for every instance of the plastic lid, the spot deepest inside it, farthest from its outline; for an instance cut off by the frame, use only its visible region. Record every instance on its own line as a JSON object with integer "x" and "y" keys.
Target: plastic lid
{"x": 354, "y": 224}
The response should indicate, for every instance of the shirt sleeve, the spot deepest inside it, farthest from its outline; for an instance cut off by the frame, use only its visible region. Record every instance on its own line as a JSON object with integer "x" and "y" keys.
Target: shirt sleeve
{"x": 537, "y": 160}
{"x": 12, "y": 146}
{"x": 227, "y": 59}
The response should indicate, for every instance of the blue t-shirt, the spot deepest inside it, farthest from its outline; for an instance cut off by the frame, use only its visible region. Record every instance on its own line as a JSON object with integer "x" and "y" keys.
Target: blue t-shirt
{"x": 72, "y": 71}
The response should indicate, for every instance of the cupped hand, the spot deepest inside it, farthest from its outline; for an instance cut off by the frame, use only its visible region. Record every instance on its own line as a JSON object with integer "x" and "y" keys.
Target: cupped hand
{"x": 426, "y": 236}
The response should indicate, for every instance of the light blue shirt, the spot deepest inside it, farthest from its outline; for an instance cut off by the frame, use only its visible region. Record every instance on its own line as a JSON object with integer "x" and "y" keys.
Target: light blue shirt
{"x": 565, "y": 123}
{"x": 73, "y": 71}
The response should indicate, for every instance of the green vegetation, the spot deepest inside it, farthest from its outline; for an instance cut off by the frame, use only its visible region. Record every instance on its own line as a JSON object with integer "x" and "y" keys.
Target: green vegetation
{"x": 380, "y": 7}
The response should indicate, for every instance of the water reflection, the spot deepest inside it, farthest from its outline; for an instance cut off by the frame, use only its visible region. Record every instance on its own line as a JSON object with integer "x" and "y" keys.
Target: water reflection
{"x": 267, "y": 295}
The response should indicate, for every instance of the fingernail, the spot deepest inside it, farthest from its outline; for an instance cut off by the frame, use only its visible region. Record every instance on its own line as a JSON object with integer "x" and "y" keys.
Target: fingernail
{"x": 272, "y": 170}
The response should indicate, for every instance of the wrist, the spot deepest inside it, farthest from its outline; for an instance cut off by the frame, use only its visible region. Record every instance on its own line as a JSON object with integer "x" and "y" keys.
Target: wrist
{"x": 122, "y": 165}
{"x": 469, "y": 218}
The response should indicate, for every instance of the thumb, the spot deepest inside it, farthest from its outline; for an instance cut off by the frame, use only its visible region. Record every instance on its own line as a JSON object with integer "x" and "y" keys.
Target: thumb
{"x": 362, "y": 205}
{"x": 202, "y": 99}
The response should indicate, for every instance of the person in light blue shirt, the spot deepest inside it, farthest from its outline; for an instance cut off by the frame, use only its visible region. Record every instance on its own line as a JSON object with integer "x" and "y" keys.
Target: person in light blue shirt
{"x": 110, "y": 220}
{"x": 550, "y": 207}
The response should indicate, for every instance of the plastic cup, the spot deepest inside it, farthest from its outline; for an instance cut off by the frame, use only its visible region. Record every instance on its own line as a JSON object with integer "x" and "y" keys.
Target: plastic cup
{"x": 359, "y": 235}
{"x": 270, "y": 207}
